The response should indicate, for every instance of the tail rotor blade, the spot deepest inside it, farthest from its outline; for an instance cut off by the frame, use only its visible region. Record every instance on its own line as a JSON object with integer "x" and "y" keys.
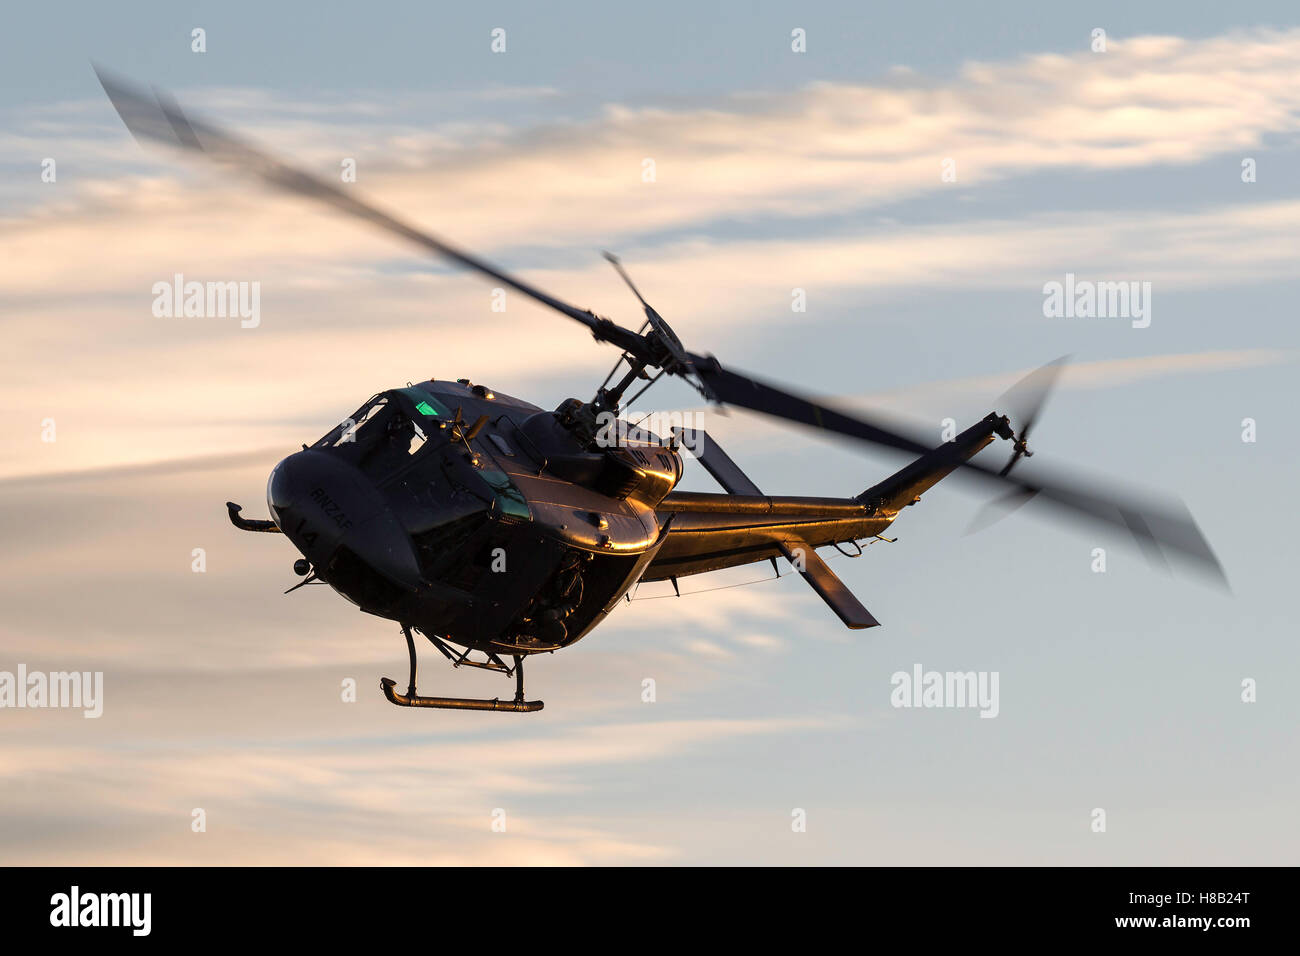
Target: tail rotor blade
{"x": 1024, "y": 401}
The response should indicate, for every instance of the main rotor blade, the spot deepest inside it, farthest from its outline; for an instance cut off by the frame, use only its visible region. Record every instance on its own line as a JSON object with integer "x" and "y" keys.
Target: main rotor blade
{"x": 999, "y": 508}
{"x": 734, "y": 388}
{"x": 159, "y": 118}
{"x": 1155, "y": 525}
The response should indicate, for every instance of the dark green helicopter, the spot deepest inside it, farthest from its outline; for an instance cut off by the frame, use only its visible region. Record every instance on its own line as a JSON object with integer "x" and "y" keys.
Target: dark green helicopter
{"x": 492, "y": 526}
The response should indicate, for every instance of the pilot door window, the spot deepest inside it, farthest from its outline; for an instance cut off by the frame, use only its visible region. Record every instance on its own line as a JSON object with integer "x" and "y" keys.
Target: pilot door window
{"x": 345, "y": 432}
{"x": 380, "y": 439}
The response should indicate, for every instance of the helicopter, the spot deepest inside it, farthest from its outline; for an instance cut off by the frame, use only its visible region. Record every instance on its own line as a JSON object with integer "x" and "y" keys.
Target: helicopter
{"x": 497, "y": 529}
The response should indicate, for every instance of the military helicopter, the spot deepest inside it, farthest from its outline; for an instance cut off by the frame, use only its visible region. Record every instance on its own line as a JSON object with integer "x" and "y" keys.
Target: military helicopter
{"x": 498, "y": 529}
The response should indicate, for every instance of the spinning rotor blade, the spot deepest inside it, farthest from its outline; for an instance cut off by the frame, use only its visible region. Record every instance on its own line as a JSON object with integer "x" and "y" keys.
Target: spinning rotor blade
{"x": 160, "y": 118}
{"x": 733, "y": 388}
{"x": 1000, "y": 507}
{"x": 1155, "y": 526}
{"x": 1023, "y": 401}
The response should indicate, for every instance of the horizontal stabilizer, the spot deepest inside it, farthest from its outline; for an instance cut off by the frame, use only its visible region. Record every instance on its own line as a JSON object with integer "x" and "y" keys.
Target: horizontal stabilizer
{"x": 803, "y": 556}
{"x": 825, "y": 582}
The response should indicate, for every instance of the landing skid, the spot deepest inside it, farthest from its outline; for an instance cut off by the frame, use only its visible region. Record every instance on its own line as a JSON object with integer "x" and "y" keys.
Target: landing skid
{"x": 413, "y": 699}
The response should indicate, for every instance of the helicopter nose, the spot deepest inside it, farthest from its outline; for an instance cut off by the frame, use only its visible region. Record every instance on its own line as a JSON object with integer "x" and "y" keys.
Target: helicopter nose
{"x": 323, "y": 504}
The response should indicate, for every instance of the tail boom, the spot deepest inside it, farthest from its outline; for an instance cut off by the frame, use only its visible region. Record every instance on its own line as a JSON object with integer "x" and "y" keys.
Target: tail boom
{"x": 906, "y": 485}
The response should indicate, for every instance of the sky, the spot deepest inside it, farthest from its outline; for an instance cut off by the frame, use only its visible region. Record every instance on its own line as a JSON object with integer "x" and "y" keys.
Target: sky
{"x": 920, "y": 172}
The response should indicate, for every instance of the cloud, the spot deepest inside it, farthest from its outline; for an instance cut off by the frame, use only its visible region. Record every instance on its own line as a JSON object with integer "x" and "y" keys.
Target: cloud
{"x": 356, "y": 335}
{"x": 821, "y": 149}
{"x": 826, "y": 147}
{"x": 353, "y": 310}
{"x": 409, "y": 802}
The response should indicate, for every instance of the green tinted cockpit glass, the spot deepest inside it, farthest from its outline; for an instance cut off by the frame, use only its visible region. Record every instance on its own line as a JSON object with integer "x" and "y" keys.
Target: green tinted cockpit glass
{"x": 425, "y": 404}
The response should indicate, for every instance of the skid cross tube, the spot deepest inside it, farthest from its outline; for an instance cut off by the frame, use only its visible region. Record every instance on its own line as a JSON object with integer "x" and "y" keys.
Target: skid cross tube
{"x": 412, "y": 699}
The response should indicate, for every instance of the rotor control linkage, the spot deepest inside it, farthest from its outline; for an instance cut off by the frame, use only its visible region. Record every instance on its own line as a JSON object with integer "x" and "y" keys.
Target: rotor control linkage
{"x": 412, "y": 699}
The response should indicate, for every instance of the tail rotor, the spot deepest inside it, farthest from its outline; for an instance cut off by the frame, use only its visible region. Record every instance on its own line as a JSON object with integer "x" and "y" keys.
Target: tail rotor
{"x": 1024, "y": 402}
